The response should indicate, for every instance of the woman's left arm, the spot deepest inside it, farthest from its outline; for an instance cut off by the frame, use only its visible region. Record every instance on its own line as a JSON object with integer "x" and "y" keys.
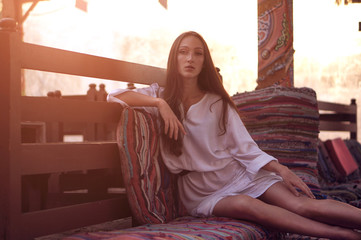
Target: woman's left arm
{"x": 290, "y": 178}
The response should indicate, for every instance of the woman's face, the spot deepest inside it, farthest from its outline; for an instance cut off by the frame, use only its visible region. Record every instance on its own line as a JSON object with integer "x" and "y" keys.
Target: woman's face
{"x": 190, "y": 57}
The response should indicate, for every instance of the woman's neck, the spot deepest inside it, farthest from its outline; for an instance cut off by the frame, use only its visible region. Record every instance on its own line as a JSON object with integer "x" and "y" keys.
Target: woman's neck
{"x": 191, "y": 94}
{"x": 191, "y": 89}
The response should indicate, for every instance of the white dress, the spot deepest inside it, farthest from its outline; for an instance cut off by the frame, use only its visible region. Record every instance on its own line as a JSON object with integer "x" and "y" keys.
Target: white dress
{"x": 219, "y": 165}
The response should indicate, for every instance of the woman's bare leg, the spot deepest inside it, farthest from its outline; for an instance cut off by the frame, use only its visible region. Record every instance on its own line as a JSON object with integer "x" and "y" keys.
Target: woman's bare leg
{"x": 326, "y": 211}
{"x": 277, "y": 218}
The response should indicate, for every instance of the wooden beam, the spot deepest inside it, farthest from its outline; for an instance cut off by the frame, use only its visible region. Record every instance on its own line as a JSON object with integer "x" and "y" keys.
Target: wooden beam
{"x": 335, "y": 107}
{"x": 25, "y": 16}
{"x": 66, "y": 110}
{"x": 61, "y": 61}
{"x": 337, "y": 126}
{"x": 62, "y": 157}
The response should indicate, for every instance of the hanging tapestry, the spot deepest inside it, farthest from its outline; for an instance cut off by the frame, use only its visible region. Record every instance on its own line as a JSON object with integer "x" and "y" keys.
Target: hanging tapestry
{"x": 275, "y": 43}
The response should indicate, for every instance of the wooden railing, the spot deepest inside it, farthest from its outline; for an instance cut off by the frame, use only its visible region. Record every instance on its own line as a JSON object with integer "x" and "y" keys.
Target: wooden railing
{"x": 338, "y": 117}
{"x": 26, "y": 168}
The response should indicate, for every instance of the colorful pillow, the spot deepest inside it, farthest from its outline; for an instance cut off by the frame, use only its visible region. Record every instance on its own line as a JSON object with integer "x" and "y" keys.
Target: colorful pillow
{"x": 284, "y": 123}
{"x": 186, "y": 228}
{"x": 151, "y": 188}
{"x": 341, "y": 156}
{"x": 326, "y": 168}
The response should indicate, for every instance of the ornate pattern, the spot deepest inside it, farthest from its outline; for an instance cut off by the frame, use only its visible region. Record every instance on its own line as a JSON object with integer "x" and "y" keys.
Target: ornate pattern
{"x": 283, "y": 39}
{"x": 264, "y": 28}
{"x": 186, "y": 228}
{"x": 151, "y": 188}
{"x": 275, "y": 43}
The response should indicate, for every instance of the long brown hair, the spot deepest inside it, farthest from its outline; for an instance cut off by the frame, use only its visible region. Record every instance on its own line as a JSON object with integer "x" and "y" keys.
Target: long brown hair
{"x": 208, "y": 80}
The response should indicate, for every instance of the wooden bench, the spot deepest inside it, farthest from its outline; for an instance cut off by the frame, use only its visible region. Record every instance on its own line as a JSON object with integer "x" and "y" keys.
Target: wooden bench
{"x": 25, "y": 214}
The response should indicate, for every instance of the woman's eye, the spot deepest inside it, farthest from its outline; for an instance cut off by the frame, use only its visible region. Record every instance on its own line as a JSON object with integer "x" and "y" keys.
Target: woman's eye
{"x": 182, "y": 51}
{"x": 199, "y": 53}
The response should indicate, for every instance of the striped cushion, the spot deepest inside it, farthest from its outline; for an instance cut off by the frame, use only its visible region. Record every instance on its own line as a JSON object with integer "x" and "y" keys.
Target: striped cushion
{"x": 284, "y": 123}
{"x": 188, "y": 228}
{"x": 150, "y": 187}
{"x": 152, "y": 193}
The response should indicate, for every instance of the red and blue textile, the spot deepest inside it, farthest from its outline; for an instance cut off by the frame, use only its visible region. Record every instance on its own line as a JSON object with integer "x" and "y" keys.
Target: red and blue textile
{"x": 284, "y": 123}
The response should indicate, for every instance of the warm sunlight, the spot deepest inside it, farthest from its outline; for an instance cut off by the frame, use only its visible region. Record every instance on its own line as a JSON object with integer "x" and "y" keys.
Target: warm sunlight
{"x": 142, "y": 31}
{"x": 327, "y": 42}
{"x": 325, "y": 30}
{"x": 328, "y": 49}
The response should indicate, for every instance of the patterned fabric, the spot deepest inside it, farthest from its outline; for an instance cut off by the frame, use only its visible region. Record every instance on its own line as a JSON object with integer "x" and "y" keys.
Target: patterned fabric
{"x": 275, "y": 43}
{"x": 355, "y": 149}
{"x": 152, "y": 195}
{"x": 284, "y": 123}
{"x": 326, "y": 168}
{"x": 150, "y": 187}
{"x": 211, "y": 228}
{"x": 344, "y": 189}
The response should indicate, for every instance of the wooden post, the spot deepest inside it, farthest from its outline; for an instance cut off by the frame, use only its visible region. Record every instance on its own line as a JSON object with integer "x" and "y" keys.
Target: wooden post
{"x": 10, "y": 137}
{"x": 101, "y": 128}
{"x": 353, "y": 135}
{"x": 90, "y": 131}
{"x": 9, "y": 9}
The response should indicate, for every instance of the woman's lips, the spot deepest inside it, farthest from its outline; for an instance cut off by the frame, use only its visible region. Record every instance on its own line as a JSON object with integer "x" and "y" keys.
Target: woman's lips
{"x": 189, "y": 68}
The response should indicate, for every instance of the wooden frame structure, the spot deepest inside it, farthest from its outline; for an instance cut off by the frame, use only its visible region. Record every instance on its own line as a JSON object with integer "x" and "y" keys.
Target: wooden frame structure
{"x": 19, "y": 160}
{"x": 338, "y": 117}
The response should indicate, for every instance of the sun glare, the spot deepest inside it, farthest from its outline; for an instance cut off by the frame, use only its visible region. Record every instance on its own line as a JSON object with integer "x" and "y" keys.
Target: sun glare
{"x": 142, "y": 31}
{"x": 325, "y": 30}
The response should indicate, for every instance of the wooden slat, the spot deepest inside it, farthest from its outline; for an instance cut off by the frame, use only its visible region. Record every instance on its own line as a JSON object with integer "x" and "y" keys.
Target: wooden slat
{"x": 337, "y": 126}
{"x": 338, "y": 117}
{"x": 336, "y": 107}
{"x": 61, "y": 61}
{"x": 62, "y": 157}
{"x": 35, "y": 224}
{"x": 58, "y": 110}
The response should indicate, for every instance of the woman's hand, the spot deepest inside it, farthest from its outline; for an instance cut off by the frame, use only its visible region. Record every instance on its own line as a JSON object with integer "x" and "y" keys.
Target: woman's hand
{"x": 291, "y": 180}
{"x": 172, "y": 125}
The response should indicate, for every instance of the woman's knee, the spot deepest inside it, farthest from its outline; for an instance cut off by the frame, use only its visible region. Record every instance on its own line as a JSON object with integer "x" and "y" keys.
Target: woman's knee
{"x": 240, "y": 206}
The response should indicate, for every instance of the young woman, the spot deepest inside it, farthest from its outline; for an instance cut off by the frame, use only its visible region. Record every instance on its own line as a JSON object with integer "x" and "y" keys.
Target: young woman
{"x": 222, "y": 170}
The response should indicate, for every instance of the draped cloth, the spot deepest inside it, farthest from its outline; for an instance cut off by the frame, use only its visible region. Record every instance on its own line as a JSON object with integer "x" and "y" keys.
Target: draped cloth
{"x": 275, "y": 43}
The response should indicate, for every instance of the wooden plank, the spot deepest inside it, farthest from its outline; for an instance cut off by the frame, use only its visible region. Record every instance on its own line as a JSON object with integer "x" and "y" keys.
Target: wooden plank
{"x": 10, "y": 139}
{"x": 35, "y": 224}
{"x": 59, "y": 110}
{"x": 336, "y": 107}
{"x": 61, "y": 61}
{"x": 337, "y": 126}
{"x": 5, "y": 122}
{"x": 338, "y": 117}
{"x": 62, "y": 157}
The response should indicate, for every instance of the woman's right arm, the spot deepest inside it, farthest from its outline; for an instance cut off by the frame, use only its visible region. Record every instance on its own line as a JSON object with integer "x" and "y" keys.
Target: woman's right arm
{"x": 171, "y": 123}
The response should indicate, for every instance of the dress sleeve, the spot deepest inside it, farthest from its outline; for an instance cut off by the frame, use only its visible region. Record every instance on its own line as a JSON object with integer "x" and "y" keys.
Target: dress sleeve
{"x": 242, "y": 147}
{"x": 153, "y": 90}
